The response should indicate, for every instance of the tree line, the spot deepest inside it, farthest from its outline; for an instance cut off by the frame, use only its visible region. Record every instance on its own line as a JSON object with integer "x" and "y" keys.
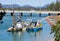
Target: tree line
{"x": 54, "y": 6}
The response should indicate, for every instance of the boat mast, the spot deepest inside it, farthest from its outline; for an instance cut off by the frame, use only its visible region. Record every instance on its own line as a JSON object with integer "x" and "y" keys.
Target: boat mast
{"x": 13, "y": 17}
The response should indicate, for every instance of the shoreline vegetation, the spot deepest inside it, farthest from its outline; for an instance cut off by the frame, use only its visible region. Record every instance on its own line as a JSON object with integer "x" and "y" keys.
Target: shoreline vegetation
{"x": 55, "y": 28}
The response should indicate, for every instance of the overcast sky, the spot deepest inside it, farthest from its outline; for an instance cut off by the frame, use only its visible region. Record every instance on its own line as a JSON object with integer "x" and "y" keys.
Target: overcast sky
{"x": 28, "y": 2}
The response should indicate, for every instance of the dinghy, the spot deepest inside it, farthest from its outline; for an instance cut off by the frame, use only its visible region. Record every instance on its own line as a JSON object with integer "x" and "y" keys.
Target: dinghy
{"x": 35, "y": 26}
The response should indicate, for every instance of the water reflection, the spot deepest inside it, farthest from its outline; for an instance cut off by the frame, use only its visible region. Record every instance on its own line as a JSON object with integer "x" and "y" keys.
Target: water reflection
{"x": 26, "y": 36}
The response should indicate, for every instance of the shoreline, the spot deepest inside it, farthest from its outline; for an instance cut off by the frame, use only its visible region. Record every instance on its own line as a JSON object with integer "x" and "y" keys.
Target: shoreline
{"x": 32, "y": 11}
{"x": 55, "y": 19}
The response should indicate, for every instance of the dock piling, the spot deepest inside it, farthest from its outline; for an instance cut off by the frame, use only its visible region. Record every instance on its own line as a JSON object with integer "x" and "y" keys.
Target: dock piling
{"x": 11, "y": 14}
{"x": 58, "y": 13}
{"x": 21, "y": 14}
{"x": 49, "y": 14}
{"x": 31, "y": 14}
{"x": 39, "y": 14}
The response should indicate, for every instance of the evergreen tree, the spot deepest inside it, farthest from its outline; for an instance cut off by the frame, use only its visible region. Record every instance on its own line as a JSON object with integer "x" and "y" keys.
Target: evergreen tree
{"x": 0, "y": 5}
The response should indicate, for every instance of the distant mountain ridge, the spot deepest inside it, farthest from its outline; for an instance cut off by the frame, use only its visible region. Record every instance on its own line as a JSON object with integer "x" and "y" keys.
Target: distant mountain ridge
{"x": 17, "y": 6}
{"x": 25, "y": 7}
{"x": 10, "y": 6}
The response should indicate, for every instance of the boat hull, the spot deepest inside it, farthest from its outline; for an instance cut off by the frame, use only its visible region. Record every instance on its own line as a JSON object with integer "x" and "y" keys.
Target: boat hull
{"x": 33, "y": 29}
{"x": 16, "y": 29}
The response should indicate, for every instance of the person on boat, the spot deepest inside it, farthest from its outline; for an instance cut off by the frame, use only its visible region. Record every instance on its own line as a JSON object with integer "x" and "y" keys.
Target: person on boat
{"x": 35, "y": 24}
{"x": 38, "y": 23}
{"x": 13, "y": 29}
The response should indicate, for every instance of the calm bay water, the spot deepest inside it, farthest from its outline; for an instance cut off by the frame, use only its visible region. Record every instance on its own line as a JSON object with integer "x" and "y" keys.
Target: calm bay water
{"x": 43, "y": 35}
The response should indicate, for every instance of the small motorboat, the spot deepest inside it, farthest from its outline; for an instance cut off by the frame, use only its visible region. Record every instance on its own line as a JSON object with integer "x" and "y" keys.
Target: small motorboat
{"x": 35, "y": 26}
{"x": 34, "y": 29}
{"x": 20, "y": 26}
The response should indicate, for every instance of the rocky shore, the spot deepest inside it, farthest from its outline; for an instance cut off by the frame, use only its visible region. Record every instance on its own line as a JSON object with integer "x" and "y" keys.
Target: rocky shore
{"x": 53, "y": 19}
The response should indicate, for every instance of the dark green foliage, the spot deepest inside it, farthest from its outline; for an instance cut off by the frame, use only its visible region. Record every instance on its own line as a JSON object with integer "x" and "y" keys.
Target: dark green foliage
{"x": 54, "y": 6}
{"x": 2, "y": 14}
{"x": 56, "y": 30}
{"x": 0, "y": 5}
